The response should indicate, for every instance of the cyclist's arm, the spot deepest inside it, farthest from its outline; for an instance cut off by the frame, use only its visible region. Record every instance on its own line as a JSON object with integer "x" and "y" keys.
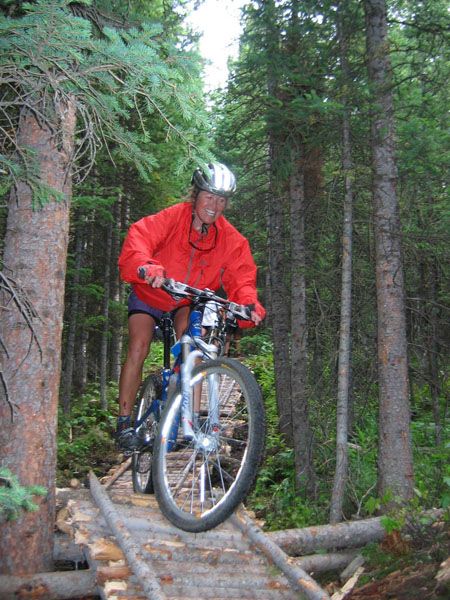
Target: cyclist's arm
{"x": 143, "y": 239}
{"x": 239, "y": 281}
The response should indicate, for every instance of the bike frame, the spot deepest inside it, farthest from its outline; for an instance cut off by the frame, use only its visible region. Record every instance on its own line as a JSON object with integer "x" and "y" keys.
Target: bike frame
{"x": 187, "y": 352}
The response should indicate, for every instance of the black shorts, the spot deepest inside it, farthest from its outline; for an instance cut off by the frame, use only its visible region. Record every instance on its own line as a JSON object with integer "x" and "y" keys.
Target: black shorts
{"x": 136, "y": 306}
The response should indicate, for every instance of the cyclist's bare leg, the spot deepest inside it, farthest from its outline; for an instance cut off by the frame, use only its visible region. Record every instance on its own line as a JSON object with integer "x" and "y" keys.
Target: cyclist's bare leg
{"x": 140, "y": 329}
{"x": 180, "y": 321}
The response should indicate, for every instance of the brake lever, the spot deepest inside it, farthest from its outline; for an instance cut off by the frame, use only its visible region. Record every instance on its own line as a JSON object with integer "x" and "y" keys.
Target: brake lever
{"x": 241, "y": 311}
{"x": 175, "y": 289}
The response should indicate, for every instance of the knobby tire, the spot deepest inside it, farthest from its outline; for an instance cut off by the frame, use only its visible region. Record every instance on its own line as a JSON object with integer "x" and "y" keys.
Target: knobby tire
{"x": 141, "y": 460}
{"x": 199, "y": 485}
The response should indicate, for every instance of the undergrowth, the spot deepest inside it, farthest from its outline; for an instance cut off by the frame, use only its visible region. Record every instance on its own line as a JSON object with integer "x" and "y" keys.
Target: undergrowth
{"x": 275, "y": 499}
{"x": 85, "y": 439}
{"x": 85, "y": 442}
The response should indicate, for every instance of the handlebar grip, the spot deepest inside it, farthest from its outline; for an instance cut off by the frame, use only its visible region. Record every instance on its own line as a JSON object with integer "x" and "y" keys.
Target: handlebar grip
{"x": 248, "y": 310}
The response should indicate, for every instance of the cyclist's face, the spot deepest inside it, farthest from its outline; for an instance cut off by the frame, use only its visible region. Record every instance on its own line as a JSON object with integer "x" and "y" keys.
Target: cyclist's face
{"x": 208, "y": 208}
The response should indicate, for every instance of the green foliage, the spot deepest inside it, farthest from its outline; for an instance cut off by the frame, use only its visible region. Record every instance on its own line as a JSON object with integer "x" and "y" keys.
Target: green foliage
{"x": 384, "y": 562}
{"x": 84, "y": 436}
{"x": 123, "y": 76}
{"x": 14, "y": 497}
{"x": 258, "y": 343}
{"x": 275, "y": 498}
{"x": 392, "y": 523}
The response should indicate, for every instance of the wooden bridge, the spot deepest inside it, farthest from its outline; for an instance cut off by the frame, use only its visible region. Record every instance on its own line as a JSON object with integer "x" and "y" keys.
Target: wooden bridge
{"x": 135, "y": 553}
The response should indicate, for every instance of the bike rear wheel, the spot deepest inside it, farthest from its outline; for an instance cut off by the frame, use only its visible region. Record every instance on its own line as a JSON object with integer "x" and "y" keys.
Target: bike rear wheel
{"x": 199, "y": 483}
{"x": 141, "y": 460}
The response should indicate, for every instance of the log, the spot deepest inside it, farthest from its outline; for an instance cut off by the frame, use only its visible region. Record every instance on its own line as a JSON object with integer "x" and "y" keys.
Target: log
{"x": 48, "y": 586}
{"x": 63, "y": 495}
{"x": 351, "y": 568}
{"x": 115, "y": 572}
{"x": 120, "y": 471}
{"x": 296, "y": 576}
{"x": 351, "y": 534}
{"x": 443, "y": 576}
{"x": 348, "y": 586}
{"x": 319, "y": 563}
{"x": 142, "y": 569}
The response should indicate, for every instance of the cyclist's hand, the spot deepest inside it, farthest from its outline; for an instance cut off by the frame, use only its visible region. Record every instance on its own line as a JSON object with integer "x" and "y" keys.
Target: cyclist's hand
{"x": 257, "y": 312}
{"x": 255, "y": 317}
{"x": 152, "y": 274}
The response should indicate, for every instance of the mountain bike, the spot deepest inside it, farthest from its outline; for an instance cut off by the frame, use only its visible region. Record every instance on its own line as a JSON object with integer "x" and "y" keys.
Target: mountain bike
{"x": 200, "y": 421}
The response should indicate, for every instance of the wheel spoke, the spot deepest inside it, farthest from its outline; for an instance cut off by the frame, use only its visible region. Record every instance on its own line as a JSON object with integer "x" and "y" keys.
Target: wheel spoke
{"x": 201, "y": 483}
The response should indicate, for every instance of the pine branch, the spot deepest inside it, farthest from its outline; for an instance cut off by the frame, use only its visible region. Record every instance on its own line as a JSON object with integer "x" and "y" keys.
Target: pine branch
{"x": 20, "y": 299}
{"x": 14, "y": 497}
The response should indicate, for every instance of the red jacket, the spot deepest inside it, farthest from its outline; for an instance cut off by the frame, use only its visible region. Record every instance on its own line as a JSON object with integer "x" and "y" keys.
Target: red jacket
{"x": 166, "y": 239}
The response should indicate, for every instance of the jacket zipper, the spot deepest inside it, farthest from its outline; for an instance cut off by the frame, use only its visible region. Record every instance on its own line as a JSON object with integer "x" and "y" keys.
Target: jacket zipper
{"x": 188, "y": 272}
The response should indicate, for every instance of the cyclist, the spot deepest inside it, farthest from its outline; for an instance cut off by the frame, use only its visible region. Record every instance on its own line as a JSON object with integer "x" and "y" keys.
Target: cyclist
{"x": 190, "y": 242}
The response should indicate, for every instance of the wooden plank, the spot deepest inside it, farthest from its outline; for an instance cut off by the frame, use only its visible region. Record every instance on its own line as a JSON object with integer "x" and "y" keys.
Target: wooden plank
{"x": 142, "y": 570}
{"x": 305, "y": 584}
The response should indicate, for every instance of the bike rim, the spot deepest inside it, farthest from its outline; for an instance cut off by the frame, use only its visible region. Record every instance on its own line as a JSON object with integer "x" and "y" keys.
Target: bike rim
{"x": 200, "y": 476}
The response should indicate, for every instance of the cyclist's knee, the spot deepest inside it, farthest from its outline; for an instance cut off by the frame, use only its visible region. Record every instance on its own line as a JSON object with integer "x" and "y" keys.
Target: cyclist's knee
{"x": 138, "y": 350}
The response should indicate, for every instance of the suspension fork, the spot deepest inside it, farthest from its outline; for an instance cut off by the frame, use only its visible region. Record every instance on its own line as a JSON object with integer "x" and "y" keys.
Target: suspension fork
{"x": 189, "y": 360}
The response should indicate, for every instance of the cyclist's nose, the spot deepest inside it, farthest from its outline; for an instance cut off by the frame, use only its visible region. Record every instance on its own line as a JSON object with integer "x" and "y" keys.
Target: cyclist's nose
{"x": 215, "y": 202}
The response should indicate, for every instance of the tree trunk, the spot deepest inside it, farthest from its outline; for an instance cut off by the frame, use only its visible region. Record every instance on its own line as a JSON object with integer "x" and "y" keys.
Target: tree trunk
{"x": 342, "y": 409}
{"x": 297, "y": 577}
{"x": 117, "y": 297}
{"x": 80, "y": 376}
{"x": 432, "y": 350}
{"x": 395, "y": 467}
{"x": 277, "y": 242}
{"x": 69, "y": 356}
{"x": 302, "y": 434}
{"x": 105, "y": 315}
{"x": 35, "y": 253}
{"x": 279, "y": 316}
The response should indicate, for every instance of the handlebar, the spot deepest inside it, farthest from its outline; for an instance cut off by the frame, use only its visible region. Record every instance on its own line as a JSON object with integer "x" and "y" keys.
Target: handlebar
{"x": 181, "y": 290}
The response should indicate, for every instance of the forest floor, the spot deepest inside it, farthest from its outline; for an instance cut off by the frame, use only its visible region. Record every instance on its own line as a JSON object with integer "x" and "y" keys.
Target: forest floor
{"x": 393, "y": 572}
{"x": 416, "y": 582}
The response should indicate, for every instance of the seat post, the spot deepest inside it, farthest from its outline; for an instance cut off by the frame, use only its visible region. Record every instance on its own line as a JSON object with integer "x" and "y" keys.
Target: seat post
{"x": 166, "y": 327}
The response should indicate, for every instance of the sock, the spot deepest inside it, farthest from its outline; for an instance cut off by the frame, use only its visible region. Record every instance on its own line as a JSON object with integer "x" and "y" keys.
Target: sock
{"x": 123, "y": 422}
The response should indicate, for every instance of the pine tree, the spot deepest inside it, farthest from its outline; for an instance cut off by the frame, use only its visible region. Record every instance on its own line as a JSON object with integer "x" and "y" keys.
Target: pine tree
{"x": 70, "y": 85}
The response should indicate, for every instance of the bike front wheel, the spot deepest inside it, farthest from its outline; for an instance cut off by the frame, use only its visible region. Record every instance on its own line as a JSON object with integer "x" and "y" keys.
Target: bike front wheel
{"x": 200, "y": 482}
{"x": 146, "y": 411}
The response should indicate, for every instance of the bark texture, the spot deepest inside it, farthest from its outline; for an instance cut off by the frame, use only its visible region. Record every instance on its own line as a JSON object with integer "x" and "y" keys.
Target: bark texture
{"x": 297, "y": 577}
{"x": 277, "y": 242}
{"x": 141, "y": 568}
{"x": 117, "y": 295}
{"x": 351, "y": 534}
{"x": 73, "y": 316}
{"x": 395, "y": 467}
{"x": 105, "y": 314}
{"x": 302, "y": 433}
{"x": 35, "y": 256}
{"x": 49, "y": 586}
{"x": 342, "y": 408}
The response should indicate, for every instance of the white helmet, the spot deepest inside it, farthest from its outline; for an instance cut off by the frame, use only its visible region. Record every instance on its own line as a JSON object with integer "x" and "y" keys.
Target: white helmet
{"x": 217, "y": 179}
